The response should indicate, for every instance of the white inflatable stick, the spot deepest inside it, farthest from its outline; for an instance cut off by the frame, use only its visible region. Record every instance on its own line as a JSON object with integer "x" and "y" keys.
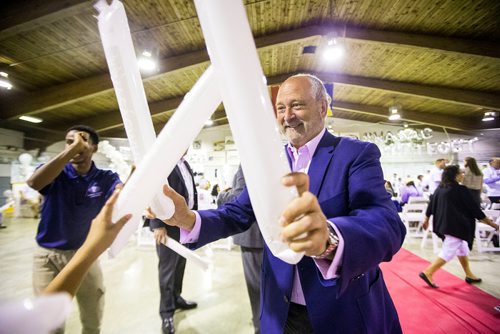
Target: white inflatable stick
{"x": 248, "y": 106}
{"x": 127, "y": 81}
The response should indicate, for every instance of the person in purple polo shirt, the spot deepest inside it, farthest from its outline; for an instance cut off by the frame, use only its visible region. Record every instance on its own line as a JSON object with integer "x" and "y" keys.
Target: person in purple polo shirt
{"x": 74, "y": 190}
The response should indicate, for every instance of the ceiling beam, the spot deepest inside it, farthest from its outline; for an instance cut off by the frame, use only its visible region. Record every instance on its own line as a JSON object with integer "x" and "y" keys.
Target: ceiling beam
{"x": 452, "y": 44}
{"x": 58, "y": 96}
{"x": 112, "y": 120}
{"x": 453, "y": 95}
{"x": 449, "y": 95}
{"x": 409, "y": 115}
{"x": 22, "y": 16}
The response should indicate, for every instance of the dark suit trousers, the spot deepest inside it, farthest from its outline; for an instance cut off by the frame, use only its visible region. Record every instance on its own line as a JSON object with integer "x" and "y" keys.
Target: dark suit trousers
{"x": 171, "y": 272}
{"x": 252, "y": 264}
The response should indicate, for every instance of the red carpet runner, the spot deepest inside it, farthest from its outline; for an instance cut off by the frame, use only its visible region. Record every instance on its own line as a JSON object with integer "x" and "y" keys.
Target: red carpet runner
{"x": 455, "y": 307}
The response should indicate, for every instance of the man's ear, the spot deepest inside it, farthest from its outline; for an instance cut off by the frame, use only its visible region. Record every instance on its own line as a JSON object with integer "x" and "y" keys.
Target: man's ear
{"x": 324, "y": 108}
{"x": 95, "y": 148}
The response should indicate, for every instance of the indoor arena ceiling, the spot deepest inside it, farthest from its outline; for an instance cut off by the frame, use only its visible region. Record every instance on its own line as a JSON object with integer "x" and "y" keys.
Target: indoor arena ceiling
{"x": 438, "y": 59}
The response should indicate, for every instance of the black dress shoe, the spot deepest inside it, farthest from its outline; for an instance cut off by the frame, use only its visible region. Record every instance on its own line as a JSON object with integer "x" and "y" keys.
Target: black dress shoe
{"x": 183, "y": 304}
{"x": 473, "y": 280}
{"x": 426, "y": 280}
{"x": 167, "y": 326}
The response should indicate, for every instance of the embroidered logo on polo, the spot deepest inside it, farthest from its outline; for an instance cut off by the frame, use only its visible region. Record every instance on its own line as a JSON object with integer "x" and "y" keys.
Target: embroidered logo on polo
{"x": 93, "y": 191}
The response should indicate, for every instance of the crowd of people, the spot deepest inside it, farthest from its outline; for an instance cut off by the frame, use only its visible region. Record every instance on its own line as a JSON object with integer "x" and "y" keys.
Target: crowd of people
{"x": 483, "y": 183}
{"x": 343, "y": 220}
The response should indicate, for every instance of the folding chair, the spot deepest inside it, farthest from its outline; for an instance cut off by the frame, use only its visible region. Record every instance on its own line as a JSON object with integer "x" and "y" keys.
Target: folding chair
{"x": 436, "y": 241}
{"x": 485, "y": 233}
{"x": 413, "y": 216}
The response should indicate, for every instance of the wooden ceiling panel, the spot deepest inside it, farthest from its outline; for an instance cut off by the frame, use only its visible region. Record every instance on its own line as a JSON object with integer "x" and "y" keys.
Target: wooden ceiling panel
{"x": 414, "y": 51}
{"x": 418, "y": 65}
{"x": 466, "y": 18}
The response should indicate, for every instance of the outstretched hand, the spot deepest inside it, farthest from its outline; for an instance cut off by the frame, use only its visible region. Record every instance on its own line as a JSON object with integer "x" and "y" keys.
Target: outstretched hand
{"x": 103, "y": 231}
{"x": 183, "y": 217}
{"x": 305, "y": 226}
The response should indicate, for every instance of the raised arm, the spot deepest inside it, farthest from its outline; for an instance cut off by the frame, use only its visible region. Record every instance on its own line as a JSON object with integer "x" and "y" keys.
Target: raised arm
{"x": 49, "y": 171}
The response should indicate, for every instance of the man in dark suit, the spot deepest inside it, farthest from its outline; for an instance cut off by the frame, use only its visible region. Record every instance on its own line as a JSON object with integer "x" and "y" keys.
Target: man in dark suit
{"x": 343, "y": 221}
{"x": 170, "y": 264}
{"x": 252, "y": 247}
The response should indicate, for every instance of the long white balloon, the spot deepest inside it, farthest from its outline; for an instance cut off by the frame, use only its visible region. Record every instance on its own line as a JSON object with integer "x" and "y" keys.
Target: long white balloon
{"x": 248, "y": 106}
{"x": 36, "y": 315}
{"x": 127, "y": 81}
{"x": 175, "y": 139}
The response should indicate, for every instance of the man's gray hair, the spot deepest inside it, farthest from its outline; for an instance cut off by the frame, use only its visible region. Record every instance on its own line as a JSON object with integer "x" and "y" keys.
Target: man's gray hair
{"x": 317, "y": 86}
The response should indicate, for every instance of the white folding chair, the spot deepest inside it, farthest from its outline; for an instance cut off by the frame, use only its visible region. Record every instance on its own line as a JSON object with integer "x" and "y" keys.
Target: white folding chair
{"x": 413, "y": 216}
{"x": 436, "y": 241}
{"x": 485, "y": 233}
{"x": 414, "y": 200}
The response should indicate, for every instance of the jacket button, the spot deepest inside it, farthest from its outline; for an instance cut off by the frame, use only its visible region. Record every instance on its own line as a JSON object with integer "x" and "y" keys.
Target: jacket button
{"x": 285, "y": 299}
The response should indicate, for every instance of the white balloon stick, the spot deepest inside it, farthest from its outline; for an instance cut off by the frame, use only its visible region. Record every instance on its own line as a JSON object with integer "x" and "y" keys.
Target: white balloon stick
{"x": 248, "y": 106}
{"x": 186, "y": 252}
{"x": 157, "y": 164}
{"x": 127, "y": 81}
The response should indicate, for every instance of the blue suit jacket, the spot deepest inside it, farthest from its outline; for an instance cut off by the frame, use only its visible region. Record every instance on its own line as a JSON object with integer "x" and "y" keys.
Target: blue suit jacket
{"x": 346, "y": 176}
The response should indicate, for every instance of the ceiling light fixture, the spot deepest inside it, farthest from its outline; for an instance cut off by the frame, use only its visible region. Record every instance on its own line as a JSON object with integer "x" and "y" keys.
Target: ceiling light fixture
{"x": 334, "y": 50}
{"x": 5, "y": 83}
{"x": 147, "y": 62}
{"x": 394, "y": 112}
{"x": 31, "y": 119}
{"x": 209, "y": 122}
{"x": 489, "y": 116}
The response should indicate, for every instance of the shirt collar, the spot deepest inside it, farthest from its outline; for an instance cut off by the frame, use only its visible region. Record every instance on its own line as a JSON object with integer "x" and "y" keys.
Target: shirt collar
{"x": 311, "y": 145}
{"x": 73, "y": 174}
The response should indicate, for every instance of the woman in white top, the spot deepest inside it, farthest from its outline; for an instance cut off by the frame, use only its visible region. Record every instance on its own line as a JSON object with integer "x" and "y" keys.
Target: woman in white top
{"x": 473, "y": 178}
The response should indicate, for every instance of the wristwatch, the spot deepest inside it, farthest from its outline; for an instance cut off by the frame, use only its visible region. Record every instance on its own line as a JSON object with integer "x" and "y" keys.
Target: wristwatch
{"x": 331, "y": 244}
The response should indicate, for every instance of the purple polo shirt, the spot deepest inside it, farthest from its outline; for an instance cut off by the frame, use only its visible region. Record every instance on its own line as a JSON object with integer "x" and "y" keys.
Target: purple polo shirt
{"x": 70, "y": 203}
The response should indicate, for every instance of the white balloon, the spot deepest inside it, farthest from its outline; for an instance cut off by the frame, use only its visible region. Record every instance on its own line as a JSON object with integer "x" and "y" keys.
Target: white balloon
{"x": 25, "y": 159}
{"x": 38, "y": 315}
{"x": 175, "y": 139}
{"x": 146, "y": 188}
{"x": 127, "y": 81}
{"x": 248, "y": 106}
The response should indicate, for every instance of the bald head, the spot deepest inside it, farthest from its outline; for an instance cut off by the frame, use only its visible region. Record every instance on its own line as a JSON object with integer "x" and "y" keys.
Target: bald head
{"x": 301, "y": 106}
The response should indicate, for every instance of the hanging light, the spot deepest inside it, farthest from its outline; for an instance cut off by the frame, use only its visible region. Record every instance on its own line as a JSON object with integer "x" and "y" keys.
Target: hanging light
{"x": 334, "y": 50}
{"x": 489, "y": 116}
{"x": 31, "y": 119}
{"x": 209, "y": 122}
{"x": 394, "y": 112}
{"x": 4, "y": 81}
{"x": 147, "y": 62}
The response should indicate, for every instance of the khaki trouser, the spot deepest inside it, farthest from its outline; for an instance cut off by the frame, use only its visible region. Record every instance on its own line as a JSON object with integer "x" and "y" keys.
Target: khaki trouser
{"x": 47, "y": 263}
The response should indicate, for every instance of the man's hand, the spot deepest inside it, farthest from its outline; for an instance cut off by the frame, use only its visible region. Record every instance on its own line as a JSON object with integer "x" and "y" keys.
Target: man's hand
{"x": 160, "y": 235}
{"x": 80, "y": 142}
{"x": 305, "y": 226}
{"x": 183, "y": 217}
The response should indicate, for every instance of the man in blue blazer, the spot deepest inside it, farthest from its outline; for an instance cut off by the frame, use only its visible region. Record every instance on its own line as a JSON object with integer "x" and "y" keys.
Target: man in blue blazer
{"x": 343, "y": 220}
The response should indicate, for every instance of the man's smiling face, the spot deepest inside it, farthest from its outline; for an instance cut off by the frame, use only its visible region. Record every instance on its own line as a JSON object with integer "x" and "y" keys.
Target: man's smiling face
{"x": 300, "y": 113}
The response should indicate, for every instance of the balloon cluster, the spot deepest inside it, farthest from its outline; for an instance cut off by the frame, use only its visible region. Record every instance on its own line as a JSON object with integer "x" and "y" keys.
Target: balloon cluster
{"x": 118, "y": 163}
{"x": 25, "y": 169}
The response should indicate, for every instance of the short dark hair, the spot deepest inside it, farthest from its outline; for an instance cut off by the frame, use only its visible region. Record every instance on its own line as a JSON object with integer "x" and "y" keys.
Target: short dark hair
{"x": 92, "y": 133}
{"x": 449, "y": 175}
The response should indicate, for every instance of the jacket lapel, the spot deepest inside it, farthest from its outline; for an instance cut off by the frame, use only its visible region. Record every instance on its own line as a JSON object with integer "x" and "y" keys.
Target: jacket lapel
{"x": 321, "y": 161}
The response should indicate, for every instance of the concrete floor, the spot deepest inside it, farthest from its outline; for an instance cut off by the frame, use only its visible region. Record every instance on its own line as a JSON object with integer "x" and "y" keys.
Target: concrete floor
{"x": 132, "y": 285}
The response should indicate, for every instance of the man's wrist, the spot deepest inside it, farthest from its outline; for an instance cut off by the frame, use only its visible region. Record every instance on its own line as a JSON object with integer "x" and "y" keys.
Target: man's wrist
{"x": 331, "y": 245}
